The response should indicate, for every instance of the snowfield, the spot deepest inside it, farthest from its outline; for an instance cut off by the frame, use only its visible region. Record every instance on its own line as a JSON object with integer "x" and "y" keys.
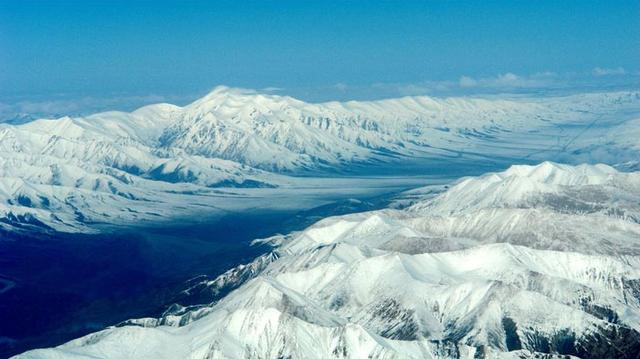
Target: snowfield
{"x": 163, "y": 161}
{"x": 535, "y": 259}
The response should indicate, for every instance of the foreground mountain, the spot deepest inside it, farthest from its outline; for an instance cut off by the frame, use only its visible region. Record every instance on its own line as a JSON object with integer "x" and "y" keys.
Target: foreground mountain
{"x": 534, "y": 260}
{"x": 71, "y": 174}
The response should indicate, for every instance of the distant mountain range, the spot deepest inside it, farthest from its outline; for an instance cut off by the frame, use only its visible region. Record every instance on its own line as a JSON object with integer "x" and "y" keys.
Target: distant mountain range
{"x": 69, "y": 174}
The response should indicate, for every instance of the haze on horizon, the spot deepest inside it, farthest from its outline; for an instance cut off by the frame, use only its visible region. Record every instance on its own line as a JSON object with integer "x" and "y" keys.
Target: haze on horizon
{"x": 73, "y": 57}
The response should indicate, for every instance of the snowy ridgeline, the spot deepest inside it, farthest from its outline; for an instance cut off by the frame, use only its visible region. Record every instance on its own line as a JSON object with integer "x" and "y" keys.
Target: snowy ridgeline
{"x": 115, "y": 167}
{"x": 536, "y": 259}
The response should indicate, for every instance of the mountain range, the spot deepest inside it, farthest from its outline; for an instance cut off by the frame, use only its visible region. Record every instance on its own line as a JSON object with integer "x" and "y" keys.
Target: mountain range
{"x": 534, "y": 261}
{"x": 163, "y": 161}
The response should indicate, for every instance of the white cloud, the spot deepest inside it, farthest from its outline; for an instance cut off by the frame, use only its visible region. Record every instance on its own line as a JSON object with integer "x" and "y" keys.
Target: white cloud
{"x": 342, "y": 87}
{"x": 272, "y": 89}
{"x": 602, "y": 71}
{"x": 466, "y": 81}
{"x": 544, "y": 82}
{"x": 76, "y": 106}
{"x": 508, "y": 80}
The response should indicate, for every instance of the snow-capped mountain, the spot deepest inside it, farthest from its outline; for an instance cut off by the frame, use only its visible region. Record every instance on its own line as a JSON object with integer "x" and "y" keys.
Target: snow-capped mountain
{"x": 285, "y": 134}
{"x": 114, "y": 167}
{"x": 532, "y": 260}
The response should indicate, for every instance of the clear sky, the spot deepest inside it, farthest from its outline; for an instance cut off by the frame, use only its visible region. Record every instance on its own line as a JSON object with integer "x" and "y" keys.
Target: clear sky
{"x": 129, "y": 52}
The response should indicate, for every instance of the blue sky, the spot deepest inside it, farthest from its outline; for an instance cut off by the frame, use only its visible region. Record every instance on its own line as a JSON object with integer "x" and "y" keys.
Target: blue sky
{"x": 75, "y": 56}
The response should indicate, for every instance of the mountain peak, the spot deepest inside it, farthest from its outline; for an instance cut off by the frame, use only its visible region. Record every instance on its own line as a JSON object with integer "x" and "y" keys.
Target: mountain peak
{"x": 232, "y": 100}
{"x": 514, "y": 186}
{"x": 222, "y": 90}
{"x": 223, "y": 94}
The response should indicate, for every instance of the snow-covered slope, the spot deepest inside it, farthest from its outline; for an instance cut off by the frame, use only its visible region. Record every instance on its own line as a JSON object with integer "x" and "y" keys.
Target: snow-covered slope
{"x": 282, "y": 133}
{"x": 67, "y": 173}
{"x": 536, "y": 259}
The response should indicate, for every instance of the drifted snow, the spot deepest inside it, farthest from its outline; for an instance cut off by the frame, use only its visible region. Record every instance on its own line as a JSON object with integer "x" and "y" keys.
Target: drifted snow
{"x": 552, "y": 249}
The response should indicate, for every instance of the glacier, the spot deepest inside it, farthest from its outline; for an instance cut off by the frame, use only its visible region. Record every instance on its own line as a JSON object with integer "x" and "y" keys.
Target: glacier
{"x": 535, "y": 261}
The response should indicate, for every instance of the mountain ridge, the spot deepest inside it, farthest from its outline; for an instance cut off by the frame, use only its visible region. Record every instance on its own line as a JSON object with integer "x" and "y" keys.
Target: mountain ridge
{"x": 234, "y": 138}
{"x": 389, "y": 283}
